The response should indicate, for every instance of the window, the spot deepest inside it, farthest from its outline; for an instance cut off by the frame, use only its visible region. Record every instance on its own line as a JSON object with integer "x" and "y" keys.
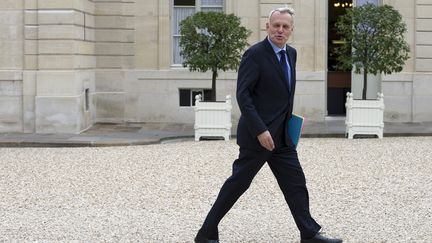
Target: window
{"x": 187, "y": 96}
{"x": 362, "y": 2}
{"x": 184, "y": 8}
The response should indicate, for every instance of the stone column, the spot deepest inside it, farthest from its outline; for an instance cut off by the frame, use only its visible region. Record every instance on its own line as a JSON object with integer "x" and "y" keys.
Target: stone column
{"x": 422, "y": 84}
{"x": 115, "y": 54}
{"x": 11, "y": 63}
{"x": 59, "y": 66}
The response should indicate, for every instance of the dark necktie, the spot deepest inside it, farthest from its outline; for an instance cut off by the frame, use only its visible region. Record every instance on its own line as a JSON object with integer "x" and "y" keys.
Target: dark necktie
{"x": 285, "y": 67}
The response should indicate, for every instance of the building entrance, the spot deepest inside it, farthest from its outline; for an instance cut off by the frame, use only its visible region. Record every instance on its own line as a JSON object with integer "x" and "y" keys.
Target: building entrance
{"x": 338, "y": 82}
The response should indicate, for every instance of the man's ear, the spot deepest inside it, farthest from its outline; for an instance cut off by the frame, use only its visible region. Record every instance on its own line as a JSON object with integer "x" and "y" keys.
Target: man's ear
{"x": 267, "y": 26}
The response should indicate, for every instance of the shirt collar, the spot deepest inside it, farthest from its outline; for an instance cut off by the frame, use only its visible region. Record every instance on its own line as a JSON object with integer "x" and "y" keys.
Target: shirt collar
{"x": 276, "y": 49}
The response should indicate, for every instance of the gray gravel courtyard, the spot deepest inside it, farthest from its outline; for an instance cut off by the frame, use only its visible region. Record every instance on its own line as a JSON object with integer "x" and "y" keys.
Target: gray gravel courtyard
{"x": 362, "y": 190}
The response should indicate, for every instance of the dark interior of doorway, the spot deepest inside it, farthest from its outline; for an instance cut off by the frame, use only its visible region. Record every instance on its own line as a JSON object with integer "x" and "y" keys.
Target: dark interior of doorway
{"x": 338, "y": 82}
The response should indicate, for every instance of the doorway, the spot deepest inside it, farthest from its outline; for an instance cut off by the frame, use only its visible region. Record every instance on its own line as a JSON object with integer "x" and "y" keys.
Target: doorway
{"x": 338, "y": 82}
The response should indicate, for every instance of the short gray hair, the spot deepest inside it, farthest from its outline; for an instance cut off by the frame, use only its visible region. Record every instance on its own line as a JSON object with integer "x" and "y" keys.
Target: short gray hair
{"x": 285, "y": 9}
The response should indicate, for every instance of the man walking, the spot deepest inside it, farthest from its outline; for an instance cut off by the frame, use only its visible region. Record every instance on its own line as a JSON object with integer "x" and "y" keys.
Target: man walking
{"x": 265, "y": 93}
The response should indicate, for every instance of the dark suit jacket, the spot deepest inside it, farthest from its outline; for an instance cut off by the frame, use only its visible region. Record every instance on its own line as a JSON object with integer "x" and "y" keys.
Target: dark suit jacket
{"x": 263, "y": 96}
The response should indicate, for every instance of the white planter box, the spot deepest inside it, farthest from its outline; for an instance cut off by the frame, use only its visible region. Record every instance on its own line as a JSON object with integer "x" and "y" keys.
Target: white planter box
{"x": 365, "y": 117}
{"x": 213, "y": 119}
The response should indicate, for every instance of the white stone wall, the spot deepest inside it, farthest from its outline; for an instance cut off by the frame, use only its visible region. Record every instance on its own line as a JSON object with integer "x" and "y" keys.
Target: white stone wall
{"x": 11, "y": 65}
{"x": 398, "y": 90}
{"x": 59, "y": 65}
{"x": 422, "y": 82}
{"x": 10, "y": 101}
{"x": 310, "y": 97}
{"x": 115, "y": 55}
{"x": 153, "y": 96}
{"x": 408, "y": 95}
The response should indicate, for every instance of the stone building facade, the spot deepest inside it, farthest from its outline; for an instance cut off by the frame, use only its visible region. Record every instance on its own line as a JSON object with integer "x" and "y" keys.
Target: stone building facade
{"x": 67, "y": 64}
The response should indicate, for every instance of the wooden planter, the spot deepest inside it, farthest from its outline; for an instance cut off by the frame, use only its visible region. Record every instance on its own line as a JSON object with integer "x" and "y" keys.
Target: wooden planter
{"x": 364, "y": 117}
{"x": 212, "y": 119}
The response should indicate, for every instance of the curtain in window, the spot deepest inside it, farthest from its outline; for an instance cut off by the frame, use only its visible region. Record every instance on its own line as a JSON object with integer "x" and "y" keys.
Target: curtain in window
{"x": 182, "y": 12}
{"x": 177, "y": 58}
{"x": 212, "y": 2}
{"x": 362, "y": 2}
{"x": 212, "y": 5}
{"x": 209, "y": 9}
{"x": 179, "y": 14}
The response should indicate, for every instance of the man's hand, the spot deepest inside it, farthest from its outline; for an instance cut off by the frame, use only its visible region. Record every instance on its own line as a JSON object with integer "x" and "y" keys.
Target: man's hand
{"x": 266, "y": 140}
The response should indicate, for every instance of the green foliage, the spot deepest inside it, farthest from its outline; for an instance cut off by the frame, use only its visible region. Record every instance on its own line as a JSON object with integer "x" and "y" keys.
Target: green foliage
{"x": 212, "y": 41}
{"x": 374, "y": 41}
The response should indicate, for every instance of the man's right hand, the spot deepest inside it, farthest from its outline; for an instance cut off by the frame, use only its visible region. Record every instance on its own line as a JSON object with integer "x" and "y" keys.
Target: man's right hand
{"x": 266, "y": 140}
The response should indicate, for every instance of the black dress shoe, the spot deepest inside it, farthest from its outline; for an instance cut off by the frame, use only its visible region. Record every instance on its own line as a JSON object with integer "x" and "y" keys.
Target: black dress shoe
{"x": 320, "y": 238}
{"x": 202, "y": 239}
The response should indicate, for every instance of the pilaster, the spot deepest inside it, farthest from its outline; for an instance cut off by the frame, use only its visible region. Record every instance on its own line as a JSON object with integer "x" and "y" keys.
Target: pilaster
{"x": 59, "y": 62}
{"x": 11, "y": 64}
{"x": 115, "y": 53}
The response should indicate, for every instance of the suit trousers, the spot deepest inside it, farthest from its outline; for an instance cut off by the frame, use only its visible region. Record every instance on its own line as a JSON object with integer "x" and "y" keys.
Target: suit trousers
{"x": 286, "y": 167}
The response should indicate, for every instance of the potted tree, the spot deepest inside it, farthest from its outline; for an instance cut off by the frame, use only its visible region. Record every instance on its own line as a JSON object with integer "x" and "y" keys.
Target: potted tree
{"x": 212, "y": 41}
{"x": 373, "y": 44}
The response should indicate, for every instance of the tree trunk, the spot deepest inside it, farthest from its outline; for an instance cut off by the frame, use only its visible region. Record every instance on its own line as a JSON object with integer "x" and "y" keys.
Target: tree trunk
{"x": 365, "y": 72}
{"x": 213, "y": 91}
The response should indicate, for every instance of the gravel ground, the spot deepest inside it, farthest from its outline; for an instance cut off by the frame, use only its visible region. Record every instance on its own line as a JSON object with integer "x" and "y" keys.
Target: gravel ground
{"x": 362, "y": 190}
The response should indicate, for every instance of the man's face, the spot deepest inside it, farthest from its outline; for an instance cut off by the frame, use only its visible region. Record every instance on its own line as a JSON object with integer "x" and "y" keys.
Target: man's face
{"x": 279, "y": 28}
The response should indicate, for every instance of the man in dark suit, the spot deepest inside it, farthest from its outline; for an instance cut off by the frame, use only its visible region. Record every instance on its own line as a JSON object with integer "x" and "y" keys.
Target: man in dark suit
{"x": 265, "y": 93}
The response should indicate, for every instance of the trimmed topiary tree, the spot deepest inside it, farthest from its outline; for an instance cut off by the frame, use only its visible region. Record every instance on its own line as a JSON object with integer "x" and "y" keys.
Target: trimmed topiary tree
{"x": 374, "y": 41}
{"x": 212, "y": 41}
